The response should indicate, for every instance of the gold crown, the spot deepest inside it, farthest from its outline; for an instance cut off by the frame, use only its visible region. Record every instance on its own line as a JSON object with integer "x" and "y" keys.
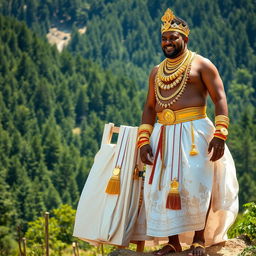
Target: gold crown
{"x": 168, "y": 26}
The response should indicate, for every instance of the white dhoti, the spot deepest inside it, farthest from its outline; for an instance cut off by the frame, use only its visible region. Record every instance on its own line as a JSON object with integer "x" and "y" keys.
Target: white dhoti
{"x": 201, "y": 182}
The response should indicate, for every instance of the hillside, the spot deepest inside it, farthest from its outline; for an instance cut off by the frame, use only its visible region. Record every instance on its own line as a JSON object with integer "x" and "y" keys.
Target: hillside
{"x": 44, "y": 98}
{"x": 124, "y": 35}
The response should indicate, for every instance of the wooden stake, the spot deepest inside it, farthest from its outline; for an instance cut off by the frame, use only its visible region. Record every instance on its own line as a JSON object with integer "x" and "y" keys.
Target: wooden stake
{"x": 77, "y": 249}
{"x": 24, "y": 246}
{"x": 19, "y": 241}
{"x": 46, "y": 218}
{"x": 74, "y": 248}
{"x": 102, "y": 249}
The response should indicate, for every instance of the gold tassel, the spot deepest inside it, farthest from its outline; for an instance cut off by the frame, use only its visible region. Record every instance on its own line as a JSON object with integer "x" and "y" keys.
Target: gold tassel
{"x": 173, "y": 200}
{"x": 193, "y": 150}
{"x": 113, "y": 187}
{"x": 136, "y": 173}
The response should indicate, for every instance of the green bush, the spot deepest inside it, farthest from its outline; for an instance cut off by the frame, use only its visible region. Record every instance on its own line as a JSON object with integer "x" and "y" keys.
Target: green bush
{"x": 246, "y": 224}
{"x": 249, "y": 251}
{"x": 8, "y": 246}
{"x": 60, "y": 232}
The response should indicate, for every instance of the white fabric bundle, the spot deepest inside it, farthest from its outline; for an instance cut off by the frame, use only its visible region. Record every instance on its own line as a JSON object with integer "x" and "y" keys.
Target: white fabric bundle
{"x": 104, "y": 218}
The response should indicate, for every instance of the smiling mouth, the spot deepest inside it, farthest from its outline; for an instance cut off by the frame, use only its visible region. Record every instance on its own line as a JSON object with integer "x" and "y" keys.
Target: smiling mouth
{"x": 169, "y": 48}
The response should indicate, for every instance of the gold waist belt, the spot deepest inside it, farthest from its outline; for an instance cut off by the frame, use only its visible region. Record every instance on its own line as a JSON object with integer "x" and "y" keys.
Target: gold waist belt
{"x": 168, "y": 116}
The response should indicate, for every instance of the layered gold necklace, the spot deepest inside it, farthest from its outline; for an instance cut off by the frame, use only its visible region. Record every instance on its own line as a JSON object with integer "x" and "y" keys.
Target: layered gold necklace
{"x": 173, "y": 73}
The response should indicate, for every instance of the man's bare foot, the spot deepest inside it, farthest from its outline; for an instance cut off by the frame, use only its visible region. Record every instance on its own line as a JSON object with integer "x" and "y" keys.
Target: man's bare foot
{"x": 197, "y": 249}
{"x": 168, "y": 248}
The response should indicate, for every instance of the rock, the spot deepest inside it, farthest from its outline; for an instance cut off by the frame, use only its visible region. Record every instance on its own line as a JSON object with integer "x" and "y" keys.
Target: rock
{"x": 231, "y": 247}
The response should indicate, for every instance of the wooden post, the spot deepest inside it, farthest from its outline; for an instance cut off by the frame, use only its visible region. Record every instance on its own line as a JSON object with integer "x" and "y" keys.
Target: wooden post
{"x": 24, "y": 246}
{"x": 74, "y": 248}
{"x": 77, "y": 249}
{"x": 46, "y": 218}
{"x": 19, "y": 241}
{"x": 102, "y": 249}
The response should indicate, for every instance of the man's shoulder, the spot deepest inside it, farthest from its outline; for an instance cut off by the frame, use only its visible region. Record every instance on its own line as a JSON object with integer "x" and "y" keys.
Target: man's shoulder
{"x": 203, "y": 62}
{"x": 202, "y": 59}
{"x": 154, "y": 70}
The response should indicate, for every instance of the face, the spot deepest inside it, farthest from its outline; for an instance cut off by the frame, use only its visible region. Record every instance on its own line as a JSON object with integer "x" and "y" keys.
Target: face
{"x": 173, "y": 44}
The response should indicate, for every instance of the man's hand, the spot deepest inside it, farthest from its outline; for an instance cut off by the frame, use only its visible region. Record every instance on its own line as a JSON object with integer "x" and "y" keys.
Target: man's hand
{"x": 218, "y": 146}
{"x": 144, "y": 152}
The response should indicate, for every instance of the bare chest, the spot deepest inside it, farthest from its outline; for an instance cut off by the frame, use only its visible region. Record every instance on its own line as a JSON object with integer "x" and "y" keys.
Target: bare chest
{"x": 194, "y": 93}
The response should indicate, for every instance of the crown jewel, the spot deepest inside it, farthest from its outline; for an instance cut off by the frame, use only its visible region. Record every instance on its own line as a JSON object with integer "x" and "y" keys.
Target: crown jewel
{"x": 168, "y": 26}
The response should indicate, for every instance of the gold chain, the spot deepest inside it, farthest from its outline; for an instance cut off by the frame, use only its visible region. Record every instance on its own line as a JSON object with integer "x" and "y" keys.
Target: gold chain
{"x": 169, "y": 85}
{"x": 163, "y": 101}
{"x": 170, "y": 69}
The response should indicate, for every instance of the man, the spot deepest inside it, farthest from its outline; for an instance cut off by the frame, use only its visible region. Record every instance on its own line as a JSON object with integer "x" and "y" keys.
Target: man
{"x": 184, "y": 151}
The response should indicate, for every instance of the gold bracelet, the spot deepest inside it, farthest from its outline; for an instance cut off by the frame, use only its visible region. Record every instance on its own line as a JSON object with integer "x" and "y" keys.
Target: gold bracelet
{"x": 220, "y": 136}
{"x": 222, "y": 129}
{"x": 147, "y": 127}
{"x": 143, "y": 144}
{"x": 221, "y": 119}
{"x": 144, "y": 134}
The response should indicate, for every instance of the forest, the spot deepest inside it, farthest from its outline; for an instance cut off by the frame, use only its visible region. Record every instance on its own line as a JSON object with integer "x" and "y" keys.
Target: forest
{"x": 53, "y": 105}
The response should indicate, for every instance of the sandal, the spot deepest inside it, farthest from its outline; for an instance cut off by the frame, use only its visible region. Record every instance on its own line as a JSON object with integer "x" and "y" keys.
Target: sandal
{"x": 195, "y": 246}
{"x": 172, "y": 250}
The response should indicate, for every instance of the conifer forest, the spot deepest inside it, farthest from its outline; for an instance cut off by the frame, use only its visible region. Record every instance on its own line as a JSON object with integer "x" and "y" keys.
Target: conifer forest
{"x": 53, "y": 105}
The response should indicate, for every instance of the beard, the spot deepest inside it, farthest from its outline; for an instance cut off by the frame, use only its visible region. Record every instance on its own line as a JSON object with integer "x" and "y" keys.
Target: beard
{"x": 172, "y": 54}
{"x": 177, "y": 50}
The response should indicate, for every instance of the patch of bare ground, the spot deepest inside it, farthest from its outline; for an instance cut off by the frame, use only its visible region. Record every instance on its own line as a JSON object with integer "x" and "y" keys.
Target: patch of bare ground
{"x": 231, "y": 247}
{"x": 59, "y": 38}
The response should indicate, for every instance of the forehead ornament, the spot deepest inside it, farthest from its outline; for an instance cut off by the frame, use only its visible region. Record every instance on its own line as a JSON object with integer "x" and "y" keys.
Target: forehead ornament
{"x": 168, "y": 26}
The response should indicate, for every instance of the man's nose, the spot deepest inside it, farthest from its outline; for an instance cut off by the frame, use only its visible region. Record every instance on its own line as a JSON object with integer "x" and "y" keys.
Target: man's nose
{"x": 168, "y": 41}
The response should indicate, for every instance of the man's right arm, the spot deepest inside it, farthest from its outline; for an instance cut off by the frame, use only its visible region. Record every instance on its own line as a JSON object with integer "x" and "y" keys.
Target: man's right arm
{"x": 149, "y": 116}
{"x": 149, "y": 113}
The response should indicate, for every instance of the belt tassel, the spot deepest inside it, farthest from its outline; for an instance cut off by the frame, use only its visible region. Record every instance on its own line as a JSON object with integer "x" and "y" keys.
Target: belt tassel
{"x": 173, "y": 200}
{"x": 193, "y": 150}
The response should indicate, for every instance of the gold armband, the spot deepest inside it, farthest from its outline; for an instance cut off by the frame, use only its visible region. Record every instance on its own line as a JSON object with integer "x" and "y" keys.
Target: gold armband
{"x": 221, "y": 125}
{"x": 146, "y": 127}
{"x": 145, "y": 131}
{"x": 222, "y": 120}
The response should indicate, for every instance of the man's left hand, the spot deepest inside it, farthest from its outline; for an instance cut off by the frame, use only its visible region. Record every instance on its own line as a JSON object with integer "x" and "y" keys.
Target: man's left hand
{"x": 218, "y": 146}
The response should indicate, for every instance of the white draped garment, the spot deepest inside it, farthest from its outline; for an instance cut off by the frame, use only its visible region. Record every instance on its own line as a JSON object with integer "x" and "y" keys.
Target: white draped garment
{"x": 112, "y": 219}
{"x": 201, "y": 182}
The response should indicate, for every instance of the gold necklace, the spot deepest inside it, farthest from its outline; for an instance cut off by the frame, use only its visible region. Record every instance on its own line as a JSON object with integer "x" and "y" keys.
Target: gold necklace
{"x": 168, "y": 86}
{"x": 165, "y": 101}
{"x": 169, "y": 69}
